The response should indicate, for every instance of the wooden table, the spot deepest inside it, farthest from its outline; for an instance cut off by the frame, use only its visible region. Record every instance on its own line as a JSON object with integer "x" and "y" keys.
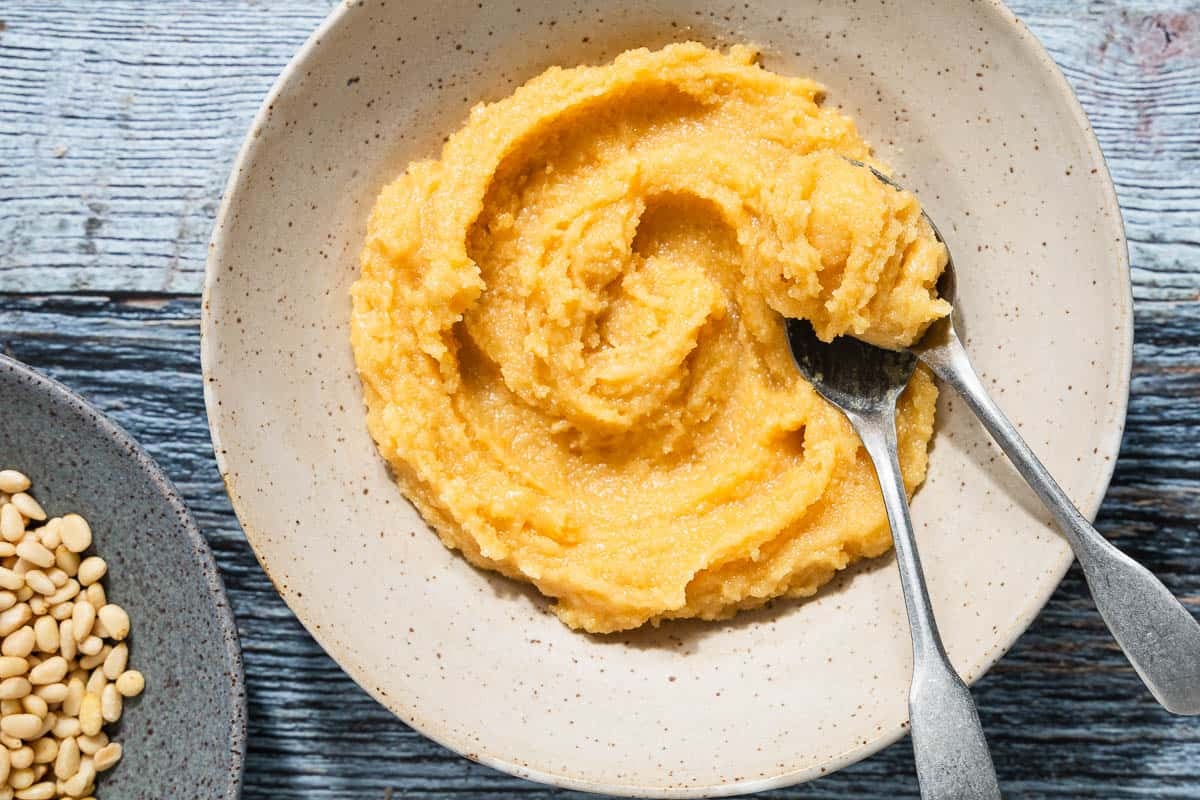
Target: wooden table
{"x": 118, "y": 123}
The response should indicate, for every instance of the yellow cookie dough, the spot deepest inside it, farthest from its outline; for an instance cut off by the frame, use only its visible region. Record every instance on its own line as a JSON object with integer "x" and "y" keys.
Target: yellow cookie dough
{"x": 569, "y": 335}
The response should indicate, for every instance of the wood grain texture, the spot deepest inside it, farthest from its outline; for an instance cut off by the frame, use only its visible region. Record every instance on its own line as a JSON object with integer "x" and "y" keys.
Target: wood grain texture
{"x": 118, "y": 122}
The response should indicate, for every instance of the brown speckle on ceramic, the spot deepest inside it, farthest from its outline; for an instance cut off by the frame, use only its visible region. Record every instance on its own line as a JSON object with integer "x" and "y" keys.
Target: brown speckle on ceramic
{"x": 184, "y": 737}
{"x": 986, "y": 132}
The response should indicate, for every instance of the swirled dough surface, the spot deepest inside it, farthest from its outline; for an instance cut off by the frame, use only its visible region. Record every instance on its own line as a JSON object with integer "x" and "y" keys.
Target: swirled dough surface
{"x": 568, "y": 330}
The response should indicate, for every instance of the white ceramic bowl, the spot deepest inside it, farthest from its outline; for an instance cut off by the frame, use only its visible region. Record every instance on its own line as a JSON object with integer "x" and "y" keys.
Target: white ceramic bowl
{"x": 976, "y": 118}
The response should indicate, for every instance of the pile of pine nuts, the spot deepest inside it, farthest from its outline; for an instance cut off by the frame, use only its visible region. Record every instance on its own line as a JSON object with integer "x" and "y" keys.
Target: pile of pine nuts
{"x": 63, "y": 655}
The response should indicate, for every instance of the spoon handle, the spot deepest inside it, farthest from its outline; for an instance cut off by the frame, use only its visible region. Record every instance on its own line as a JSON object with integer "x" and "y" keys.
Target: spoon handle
{"x": 1160, "y": 637}
{"x": 952, "y": 758}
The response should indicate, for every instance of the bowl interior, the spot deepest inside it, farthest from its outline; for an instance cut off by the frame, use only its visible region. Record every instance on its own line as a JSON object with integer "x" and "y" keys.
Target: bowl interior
{"x": 991, "y": 139}
{"x": 184, "y": 736}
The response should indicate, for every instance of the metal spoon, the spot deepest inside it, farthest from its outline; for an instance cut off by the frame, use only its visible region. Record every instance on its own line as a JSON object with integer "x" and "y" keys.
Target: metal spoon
{"x": 953, "y": 762}
{"x": 1160, "y": 637}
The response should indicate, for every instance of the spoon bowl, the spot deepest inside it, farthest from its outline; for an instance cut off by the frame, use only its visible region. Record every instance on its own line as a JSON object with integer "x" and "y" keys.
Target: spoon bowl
{"x": 857, "y": 377}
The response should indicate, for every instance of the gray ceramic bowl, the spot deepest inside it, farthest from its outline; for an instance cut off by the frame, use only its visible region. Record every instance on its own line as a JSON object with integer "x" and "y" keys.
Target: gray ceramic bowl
{"x": 185, "y": 736}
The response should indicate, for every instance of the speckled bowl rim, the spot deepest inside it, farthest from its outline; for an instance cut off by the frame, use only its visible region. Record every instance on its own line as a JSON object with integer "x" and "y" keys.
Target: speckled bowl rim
{"x": 1108, "y": 449}
{"x": 65, "y": 398}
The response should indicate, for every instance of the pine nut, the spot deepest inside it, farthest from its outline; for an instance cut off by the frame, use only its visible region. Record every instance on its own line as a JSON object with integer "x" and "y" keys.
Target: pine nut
{"x": 68, "y": 591}
{"x": 107, "y": 757}
{"x": 38, "y": 791}
{"x": 24, "y": 593}
{"x": 97, "y": 596}
{"x": 5, "y": 765}
{"x": 21, "y": 778}
{"x": 11, "y": 580}
{"x": 76, "y": 688}
{"x": 66, "y": 728}
{"x": 99, "y": 630}
{"x": 7, "y": 549}
{"x": 111, "y": 703}
{"x": 11, "y": 666}
{"x": 86, "y": 773}
{"x": 15, "y": 688}
{"x": 92, "y": 569}
{"x": 7, "y": 600}
{"x": 52, "y": 670}
{"x": 90, "y": 718}
{"x": 49, "y": 532}
{"x": 35, "y": 553}
{"x": 52, "y": 693}
{"x": 23, "y": 726}
{"x": 22, "y": 757}
{"x": 131, "y": 683}
{"x": 32, "y": 704}
{"x": 67, "y": 762}
{"x": 115, "y": 661}
{"x": 45, "y": 750}
{"x": 76, "y": 533}
{"x": 58, "y": 577}
{"x": 93, "y": 661}
{"x": 18, "y": 643}
{"x": 49, "y": 535}
{"x": 96, "y": 682}
{"x": 28, "y": 507}
{"x": 48, "y": 724}
{"x": 91, "y": 645}
{"x": 38, "y": 606}
{"x": 13, "y": 618}
{"x": 9, "y": 742}
{"x": 67, "y": 561}
{"x": 10, "y": 707}
{"x": 45, "y": 632}
{"x": 90, "y": 745}
{"x": 40, "y": 582}
{"x": 12, "y": 524}
{"x": 12, "y": 482}
{"x": 62, "y": 611}
{"x": 116, "y": 620}
{"x": 82, "y": 619}
{"x": 66, "y": 639}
